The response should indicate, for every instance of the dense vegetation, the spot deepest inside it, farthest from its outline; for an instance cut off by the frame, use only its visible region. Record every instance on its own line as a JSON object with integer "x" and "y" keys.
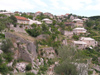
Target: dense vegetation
{"x": 7, "y": 55}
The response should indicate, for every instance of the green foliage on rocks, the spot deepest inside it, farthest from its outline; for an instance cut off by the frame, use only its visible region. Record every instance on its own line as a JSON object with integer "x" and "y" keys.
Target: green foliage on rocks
{"x": 6, "y": 45}
{"x": 28, "y": 67}
{"x": 68, "y": 55}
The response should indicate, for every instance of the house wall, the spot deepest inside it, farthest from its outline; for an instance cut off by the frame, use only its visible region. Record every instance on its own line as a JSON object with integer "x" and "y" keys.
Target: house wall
{"x": 68, "y": 33}
{"x": 48, "y": 22}
{"x": 80, "y": 46}
{"x": 78, "y": 24}
{"x": 79, "y": 31}
{"x": 22, "y": 22}
{"x": 90, "y": 43}
{"x": 20, "y": 29}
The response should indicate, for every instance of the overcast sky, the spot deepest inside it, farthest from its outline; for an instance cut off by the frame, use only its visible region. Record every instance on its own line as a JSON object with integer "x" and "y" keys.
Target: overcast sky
{"x": 56, "y": 7}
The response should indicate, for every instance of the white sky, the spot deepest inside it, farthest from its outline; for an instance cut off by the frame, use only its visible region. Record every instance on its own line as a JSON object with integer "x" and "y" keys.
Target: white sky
{"x": 57, "y": 7}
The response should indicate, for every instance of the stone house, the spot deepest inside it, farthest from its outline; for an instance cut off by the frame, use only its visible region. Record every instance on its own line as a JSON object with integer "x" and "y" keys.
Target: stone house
{"x": 79, "y": 31}
{"x": 20, "y": 28}
{"x": 69, "y": 24}
{"x": 78, "y": 22}
{"x": 22, "y": 20}
{"x": 89, "y": 41}
{"x": 80, "y": 44}
{"x": 38, "y": 13}
{"x": 48, "y": 21}
{"x": 85, "y": 42}
{"x": 66, "y": 14}
{"x": 68, "y": 33}
{"x": 7, "y": 13}
{"x": 48, "y": 14}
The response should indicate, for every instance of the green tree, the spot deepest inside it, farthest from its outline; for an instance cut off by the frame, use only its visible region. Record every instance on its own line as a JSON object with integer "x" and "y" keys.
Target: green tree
{"x": 6, "y": 45}
{"x": 14, "y": 20}
{"x": 67, "y": 55}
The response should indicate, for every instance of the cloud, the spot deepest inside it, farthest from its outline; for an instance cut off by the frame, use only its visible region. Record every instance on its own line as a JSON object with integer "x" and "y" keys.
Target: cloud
{"x": 95, "y": 6}
{"x": 16, "y": 5}
{"x": 53, "y": 6}
{"x": 40, "y": 3}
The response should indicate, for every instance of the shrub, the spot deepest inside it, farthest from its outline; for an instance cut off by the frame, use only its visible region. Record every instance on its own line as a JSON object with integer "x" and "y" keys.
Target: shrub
{"x": 6, "y": 45}
{"x": 76, "y": 37}
{"x": 28, "y": 67}
{"x": 3, "y": 69}
{"x": 2, "y": 36}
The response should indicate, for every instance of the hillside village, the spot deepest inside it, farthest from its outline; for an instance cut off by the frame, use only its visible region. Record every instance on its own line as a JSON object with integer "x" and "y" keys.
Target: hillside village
{"x": 39, "y": 43}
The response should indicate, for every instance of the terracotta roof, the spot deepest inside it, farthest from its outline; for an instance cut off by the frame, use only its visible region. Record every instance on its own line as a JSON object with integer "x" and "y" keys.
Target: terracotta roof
{"x": 67, "y": 14}
{"x": 21, "y": 18}
{"x": 39, "y": 12}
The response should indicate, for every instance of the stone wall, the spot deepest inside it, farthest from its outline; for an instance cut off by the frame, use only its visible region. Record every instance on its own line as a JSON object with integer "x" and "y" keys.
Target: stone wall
{"x": 20, "y": 28}
{"x": 30, "y": 46}
{"x": 68, "y": 33}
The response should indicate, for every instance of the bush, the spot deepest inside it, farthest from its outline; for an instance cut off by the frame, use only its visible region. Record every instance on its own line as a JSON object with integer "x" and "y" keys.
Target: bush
{"x": 28, "y": 67}
{"x": 66, "y": 69}
{"x": 33, "y": 32}
{"x": 2, "y": 36}
{"x": 6, "y": 45}
{"x": 8, "y": 57}
{"x": 76, "y": 37}
{"x": 3, "y": 69}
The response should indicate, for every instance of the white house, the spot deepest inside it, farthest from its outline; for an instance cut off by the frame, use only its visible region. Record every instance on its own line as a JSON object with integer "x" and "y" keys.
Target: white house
{"x": 34, "y": 21}
{"x": 79, "y": 30}
{"x": 48, "y": 21}
{"x": 80, "y": 44}
{"x": 7, "y": 13}
{"x": 89, "y": 41}
{"x": 78, "y": 22}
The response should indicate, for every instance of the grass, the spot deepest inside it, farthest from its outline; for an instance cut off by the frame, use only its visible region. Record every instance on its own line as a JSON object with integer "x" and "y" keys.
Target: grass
{"x": 24, "y": 36}
{"x": 19, "y": 74}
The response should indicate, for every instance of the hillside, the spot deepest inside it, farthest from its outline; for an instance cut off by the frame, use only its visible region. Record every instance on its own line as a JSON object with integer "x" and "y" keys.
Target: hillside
{"x": 46, "y": 44}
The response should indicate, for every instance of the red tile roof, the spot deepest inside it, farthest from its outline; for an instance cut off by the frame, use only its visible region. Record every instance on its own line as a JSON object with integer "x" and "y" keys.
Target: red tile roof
{"x": 39, "y": 12}
{"x": 21, "y": 18}
{"x": 67, "y": 14}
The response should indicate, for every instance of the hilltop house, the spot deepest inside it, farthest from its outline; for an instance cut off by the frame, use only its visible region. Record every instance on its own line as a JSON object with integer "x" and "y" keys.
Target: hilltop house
{"x": 67, "y": 14}
{"x": 22, "y": 20}
{"x": 48, "y": 14}
{"x": 48, "y": 21}
{"x": 89, "y": 41}
{"x": 38, "y": 13}
{"x": 7, "y": 13}
{"x": 79, "y": 30}
{"x": 78, "y": 22}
